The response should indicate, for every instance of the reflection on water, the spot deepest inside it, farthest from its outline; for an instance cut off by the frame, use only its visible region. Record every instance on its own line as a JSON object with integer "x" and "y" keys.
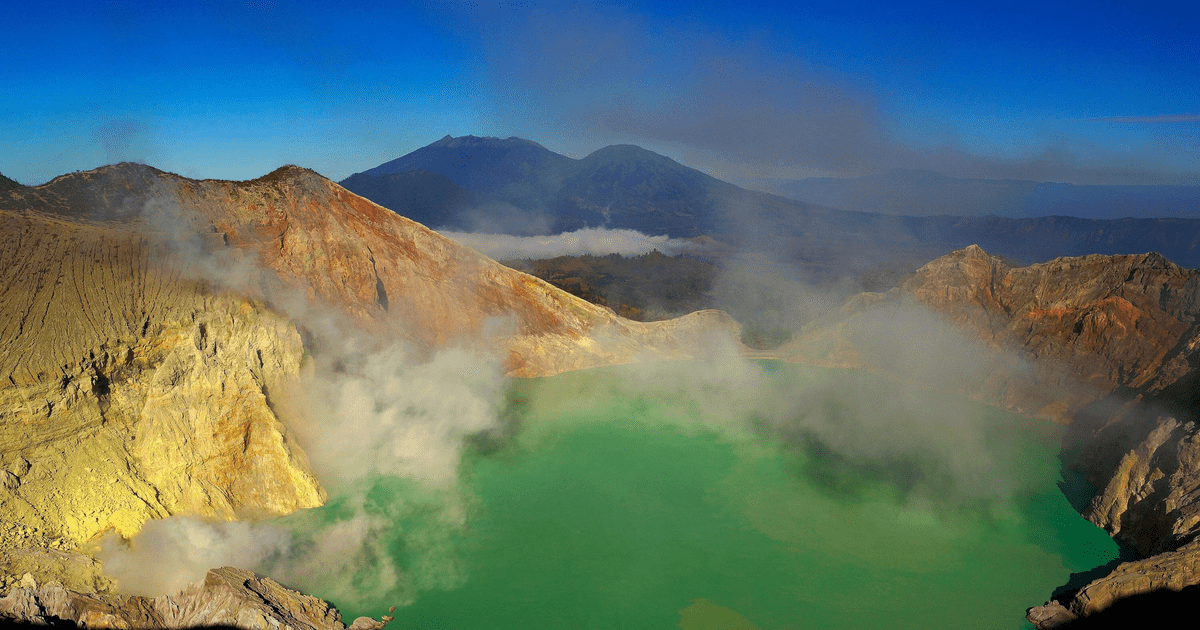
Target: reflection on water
{"x": 610, "y": 503}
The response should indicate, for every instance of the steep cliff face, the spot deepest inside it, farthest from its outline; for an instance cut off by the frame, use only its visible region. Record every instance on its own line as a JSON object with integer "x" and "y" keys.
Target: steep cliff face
{"x": 146, "y": 319}
{"x": 128, "y": 393}
{"x": 1171, "y": 571}
{"x": 1152, "y": 498}
{"x": 1117, "y": 321}
{"x": 1123, "y": 328}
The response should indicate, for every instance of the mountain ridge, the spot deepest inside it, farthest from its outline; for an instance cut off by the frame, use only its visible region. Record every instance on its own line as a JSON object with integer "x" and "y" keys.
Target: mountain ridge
{"x": 627, "y": 187}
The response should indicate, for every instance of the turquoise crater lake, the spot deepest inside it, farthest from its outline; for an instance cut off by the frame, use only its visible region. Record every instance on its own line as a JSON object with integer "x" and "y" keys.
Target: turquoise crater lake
{"x": 764, "y": 496}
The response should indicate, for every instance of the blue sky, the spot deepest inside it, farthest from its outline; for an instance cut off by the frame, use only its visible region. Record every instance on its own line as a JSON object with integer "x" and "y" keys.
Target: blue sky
{"x": 1079, "y": 92}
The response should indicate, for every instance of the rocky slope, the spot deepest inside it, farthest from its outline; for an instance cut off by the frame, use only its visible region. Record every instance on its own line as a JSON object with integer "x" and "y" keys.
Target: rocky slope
{"x": 1105, "y": 324}
{"x": 227, "y": 597}
{"x": 1169, "y": 572}
{"x": 145, "y": 320}
{"x": 390, "y": 275}
{"x": 1107, "y": 344}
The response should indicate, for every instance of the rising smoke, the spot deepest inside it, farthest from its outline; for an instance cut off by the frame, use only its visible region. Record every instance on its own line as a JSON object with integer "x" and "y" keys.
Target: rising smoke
{"x": 377, "y": 420}
{"x": 169, "y": 554}
{"x": 935, "y": 446}
{"x": 364, "y": 409}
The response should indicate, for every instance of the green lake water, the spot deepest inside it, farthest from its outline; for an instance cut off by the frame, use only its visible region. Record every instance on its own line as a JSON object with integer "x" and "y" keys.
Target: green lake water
{"x": 622, "y": 498}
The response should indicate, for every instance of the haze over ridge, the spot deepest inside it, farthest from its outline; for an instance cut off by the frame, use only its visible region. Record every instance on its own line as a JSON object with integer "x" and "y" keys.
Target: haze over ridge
{"x": 516, "y": 186}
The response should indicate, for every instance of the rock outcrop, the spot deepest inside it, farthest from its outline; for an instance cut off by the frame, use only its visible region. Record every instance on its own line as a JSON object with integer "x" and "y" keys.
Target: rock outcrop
{"x": 146, "y": 319}
{"x": 6, "y": 183}
{"x": 1080, "y": 328}
{"x": 1152, "y": 497}
{"x": 1171, "y": 571}
{"x": 227, "y": 597}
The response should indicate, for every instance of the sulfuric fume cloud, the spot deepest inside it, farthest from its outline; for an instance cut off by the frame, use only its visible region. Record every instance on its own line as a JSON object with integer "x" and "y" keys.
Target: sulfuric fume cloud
{"x": 363, "y": 409}
{"x": 169, "y": 554}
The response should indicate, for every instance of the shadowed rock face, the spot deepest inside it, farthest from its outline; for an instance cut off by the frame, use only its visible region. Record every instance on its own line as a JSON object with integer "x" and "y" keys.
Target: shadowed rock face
{"x": 1165, "y": 574}
{"x": 145, "y": 320}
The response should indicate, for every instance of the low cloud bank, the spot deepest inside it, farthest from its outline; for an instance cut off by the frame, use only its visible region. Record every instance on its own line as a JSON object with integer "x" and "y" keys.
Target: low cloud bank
{"x": 594, "y": 241}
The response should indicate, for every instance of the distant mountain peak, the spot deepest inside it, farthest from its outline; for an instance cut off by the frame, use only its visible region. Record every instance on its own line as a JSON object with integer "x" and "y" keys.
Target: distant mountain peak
{"x": 470, "y": 141}
{"x": 481, "y": 164}
{"x": 627, "y": 152}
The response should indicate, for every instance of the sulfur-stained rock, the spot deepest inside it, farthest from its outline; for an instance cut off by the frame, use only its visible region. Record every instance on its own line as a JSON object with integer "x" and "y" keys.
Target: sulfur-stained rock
{"x": 294, "y": 232}
{"x": 75, "y": 571}
{"x": 128, "y": 392}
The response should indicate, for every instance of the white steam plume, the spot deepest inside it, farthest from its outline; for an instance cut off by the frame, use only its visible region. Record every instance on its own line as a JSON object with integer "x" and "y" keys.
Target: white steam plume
{"x": 169, "y": 554}
{"x": 382, "y": 413}
{"x": 362, "y": 409}
{"x": 359, "y": 417}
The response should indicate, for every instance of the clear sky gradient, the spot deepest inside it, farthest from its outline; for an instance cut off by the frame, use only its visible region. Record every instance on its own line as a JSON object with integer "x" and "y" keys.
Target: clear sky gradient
{"x": 1082, "y": 92}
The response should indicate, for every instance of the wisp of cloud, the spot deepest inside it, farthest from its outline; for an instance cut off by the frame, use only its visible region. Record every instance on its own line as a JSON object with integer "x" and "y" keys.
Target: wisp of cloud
{"x": 593, "y": 241}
